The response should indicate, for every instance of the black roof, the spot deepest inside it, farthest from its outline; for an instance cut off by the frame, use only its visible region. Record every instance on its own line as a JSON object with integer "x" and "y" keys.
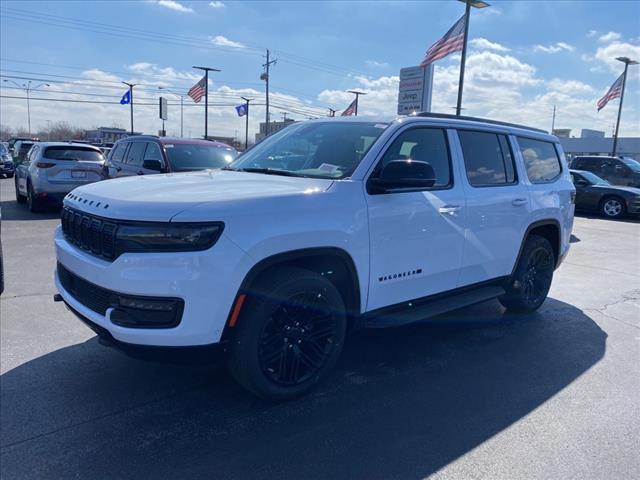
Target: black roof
{"x": 478, "y": 119}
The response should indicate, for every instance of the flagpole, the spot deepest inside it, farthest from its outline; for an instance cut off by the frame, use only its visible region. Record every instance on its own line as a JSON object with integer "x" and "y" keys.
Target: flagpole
{"x": 206, "y": 97}
{"x": 463, "y": 60}
{"x": 626, "y": 62}
{"x": 357, "y": 94}
{"x": 246, "y": 124}
{"x": 131, "y": 85}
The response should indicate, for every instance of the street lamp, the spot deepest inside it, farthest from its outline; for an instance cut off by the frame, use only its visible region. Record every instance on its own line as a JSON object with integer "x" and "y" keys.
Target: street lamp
{"x": 357, "y": 94}
{"x": 27, "y": 88}
{"x": 467, "y": 13}
{"x": 627, "y": 61}
{"x": 181, "y": 108}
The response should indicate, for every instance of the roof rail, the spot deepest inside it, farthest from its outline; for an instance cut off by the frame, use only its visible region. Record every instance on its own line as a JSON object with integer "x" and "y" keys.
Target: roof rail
{"x": 477, "y": 119}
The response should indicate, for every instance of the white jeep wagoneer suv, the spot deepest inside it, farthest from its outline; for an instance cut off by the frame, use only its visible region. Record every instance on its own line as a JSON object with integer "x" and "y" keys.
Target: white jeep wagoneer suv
{"x": 324, "y": 225}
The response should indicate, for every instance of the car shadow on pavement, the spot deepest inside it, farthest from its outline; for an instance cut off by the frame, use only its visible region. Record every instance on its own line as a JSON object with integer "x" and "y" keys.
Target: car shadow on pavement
{"x": 12, "y": 210}
{"x": 402, "y": 403}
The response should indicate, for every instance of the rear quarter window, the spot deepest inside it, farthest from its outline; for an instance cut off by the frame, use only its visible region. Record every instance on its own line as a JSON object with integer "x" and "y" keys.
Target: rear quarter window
{"x": 541, "y": 160}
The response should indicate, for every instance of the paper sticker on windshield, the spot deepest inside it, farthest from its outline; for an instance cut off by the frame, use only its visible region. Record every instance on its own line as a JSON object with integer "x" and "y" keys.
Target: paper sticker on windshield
{"x": 327, "y": 167}
{"x": 381, "y": 125}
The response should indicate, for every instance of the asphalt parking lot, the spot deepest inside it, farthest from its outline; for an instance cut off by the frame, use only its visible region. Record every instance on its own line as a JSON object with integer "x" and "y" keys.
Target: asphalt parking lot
{"x": 473, "y": 394}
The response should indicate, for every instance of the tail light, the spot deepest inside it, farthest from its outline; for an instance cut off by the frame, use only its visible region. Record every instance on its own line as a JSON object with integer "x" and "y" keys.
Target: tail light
{"x": 573, "y": 196}
{"x": 45, "y": 165}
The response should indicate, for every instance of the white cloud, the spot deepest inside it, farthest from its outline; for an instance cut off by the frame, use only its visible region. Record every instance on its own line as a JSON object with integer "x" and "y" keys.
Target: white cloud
{"x": 592, "y": 33}
{"x": 485, "y": 44}
{"x": 610, "y": 37}
{"x": 376, "y": 64}
{"x": 173, "y": 5}
{"x": 216, "y": 5}
{"x": 608, "y": 54}
{"x": 569, "y": 86}
{"x": 225, "y": 42}
{"x": 554, "y": 48}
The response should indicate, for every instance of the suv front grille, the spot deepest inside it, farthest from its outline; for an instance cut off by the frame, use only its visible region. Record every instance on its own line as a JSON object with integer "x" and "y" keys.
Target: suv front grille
{"x": 89, "y": 232}
{"x": 91, "y": 296}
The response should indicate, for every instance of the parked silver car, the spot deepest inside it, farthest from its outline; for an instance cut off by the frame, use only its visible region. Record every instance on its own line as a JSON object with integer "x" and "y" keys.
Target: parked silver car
{"x": 52, "y": 169}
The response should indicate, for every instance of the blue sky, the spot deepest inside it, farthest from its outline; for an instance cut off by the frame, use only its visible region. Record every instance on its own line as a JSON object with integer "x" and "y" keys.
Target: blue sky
{"x": 524, "y": 58}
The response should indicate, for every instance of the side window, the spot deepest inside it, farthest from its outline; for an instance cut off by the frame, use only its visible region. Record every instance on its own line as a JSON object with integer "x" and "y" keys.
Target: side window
{"x": 136, "y": 153}
{"x": 540, "y": 159}
{"x": 153, "y": 152}
{"x": 117, "y": 155}
{"x": 426, "y": 145}
{"x": 487, "y": 158}
{"x": 33, "y": 153}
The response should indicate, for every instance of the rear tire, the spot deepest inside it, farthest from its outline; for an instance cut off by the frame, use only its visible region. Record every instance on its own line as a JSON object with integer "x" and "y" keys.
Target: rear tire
{"x": 9, "y": 175}
{"x": 19, "y": 197}
{"x": 33, "y": 203}
{"x": 612, "y": 207}
{"x": 289, "y": 334}
{"x": 528, "y": 287}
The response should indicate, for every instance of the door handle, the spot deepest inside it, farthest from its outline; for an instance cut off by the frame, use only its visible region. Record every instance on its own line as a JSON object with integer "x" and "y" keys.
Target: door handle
{"x": 449, "y": 209}
{"x": 518, "y": 202}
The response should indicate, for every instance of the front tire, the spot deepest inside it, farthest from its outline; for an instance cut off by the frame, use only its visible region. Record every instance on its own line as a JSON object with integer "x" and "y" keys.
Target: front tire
{"x": 289, "y": 335}
{"x": 528, "y": 287}
{"x": 612, "y": 207}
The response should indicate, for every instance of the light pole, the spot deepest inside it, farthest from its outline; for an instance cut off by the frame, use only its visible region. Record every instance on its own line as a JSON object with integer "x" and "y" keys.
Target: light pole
{"x": 357, "y": 94}
{"x": 131, "y": 85}
{"x": 206, "y": 96}
{"x": 627, "y": 61}
{"x": 181, "y": 108}
{"x": 246, "y": 123}
{"x": 27, "y": 88}
{"x": 467, "y": 13}
{"x": 265, "y": 77}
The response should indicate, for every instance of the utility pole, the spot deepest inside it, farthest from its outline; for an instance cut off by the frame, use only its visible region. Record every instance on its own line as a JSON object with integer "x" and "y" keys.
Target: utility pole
{"x": 206, "y": 97}
{"x": 265, "y": 77}
{"x": 27, "y": 89}
{"x": 627, "y": 61}
{"x": 284, "y": 117}
{"x": 467, "y": 14}
{"x": 131, "y": 85}
{"x": 553, "y": 120}
{"x": 332, "y": 112}
{"x": 246, "y": 123}
{"x": 357, "y": 94}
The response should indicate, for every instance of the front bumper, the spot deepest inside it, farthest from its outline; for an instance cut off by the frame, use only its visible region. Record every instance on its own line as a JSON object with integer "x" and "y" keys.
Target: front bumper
{"x": 207, "y": 282}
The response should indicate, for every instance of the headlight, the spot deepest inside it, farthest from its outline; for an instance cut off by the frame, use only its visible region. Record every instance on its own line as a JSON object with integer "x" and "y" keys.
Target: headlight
{"x": 166, "y": 237}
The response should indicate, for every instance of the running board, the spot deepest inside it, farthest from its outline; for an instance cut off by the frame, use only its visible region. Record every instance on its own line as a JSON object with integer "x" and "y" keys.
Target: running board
{"x": 422, "y": 311}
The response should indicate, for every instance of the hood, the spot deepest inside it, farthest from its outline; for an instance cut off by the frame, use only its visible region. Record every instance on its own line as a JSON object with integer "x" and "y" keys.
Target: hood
{"x": 161, "y": 197}
{"x": 619, "y": 188}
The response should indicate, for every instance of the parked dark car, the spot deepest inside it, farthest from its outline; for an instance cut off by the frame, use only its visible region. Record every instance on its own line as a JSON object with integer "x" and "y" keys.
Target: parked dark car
{"x": 615, "y": 170}
{"x": 12, "y": 141}
{"x": 595, "y": 194}
{"x": 7, "y": 166}
{"x": 21, "y": 149}
{"x": 147, "y": 154}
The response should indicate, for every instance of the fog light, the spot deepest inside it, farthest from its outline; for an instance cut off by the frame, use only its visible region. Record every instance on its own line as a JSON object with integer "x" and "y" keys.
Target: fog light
{"x": 142, "y": 304}
{"x": 141, "y": 312}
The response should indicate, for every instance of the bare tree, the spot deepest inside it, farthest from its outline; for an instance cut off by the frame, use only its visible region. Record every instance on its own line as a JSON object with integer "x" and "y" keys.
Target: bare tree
{"x": 6, "y": 132}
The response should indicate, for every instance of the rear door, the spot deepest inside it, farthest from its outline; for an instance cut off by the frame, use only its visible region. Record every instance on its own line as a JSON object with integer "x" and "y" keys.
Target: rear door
{"x": 115, "y": 164}
{"x": 416, "y": 237}
{"x": 498, "y": 207}
{"x": 134, "y": 159}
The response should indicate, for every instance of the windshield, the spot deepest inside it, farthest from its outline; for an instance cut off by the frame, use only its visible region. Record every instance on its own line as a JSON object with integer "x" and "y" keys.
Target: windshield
{"x": 592, "y": 178}
{"x": 184, "y": 156}
{"x": 72, "y": 153}
{"x": 631, "y": 163}
{"x": 330, "y": 149}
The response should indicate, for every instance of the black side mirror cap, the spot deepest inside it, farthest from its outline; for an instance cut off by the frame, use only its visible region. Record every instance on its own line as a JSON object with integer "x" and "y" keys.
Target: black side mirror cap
{"x": 403, "y": 176}
{"x": 152, "y": 165}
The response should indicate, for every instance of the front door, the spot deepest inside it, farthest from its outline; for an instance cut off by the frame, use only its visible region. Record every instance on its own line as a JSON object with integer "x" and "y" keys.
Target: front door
{"x": 416, "y": 237}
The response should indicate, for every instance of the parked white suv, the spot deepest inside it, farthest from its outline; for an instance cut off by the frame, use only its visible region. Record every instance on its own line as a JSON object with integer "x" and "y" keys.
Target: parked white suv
{"x": 323, "y": 226}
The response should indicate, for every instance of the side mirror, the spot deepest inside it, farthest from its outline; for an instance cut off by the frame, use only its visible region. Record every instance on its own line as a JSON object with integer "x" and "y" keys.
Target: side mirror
{"x": 403, "y": 175}
{"x": 152, "y": 165}
{"x": 582, "y": 183}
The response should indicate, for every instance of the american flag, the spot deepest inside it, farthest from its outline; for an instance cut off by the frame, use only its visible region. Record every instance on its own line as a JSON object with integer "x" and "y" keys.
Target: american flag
{"x": 351, "y": 109}
{"x": 614, "y": 92}
{"x": 451, "y": 42}
{"x": 198, "y": 90}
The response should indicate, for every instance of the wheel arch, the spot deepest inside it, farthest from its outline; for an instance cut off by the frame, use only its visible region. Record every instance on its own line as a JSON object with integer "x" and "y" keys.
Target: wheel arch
{"x": 549, "y": 229}
{"x": 334, "y": 263}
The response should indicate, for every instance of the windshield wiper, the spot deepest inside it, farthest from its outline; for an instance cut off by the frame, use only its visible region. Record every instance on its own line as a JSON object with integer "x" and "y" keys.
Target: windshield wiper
{"x": 267, "y": 171}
